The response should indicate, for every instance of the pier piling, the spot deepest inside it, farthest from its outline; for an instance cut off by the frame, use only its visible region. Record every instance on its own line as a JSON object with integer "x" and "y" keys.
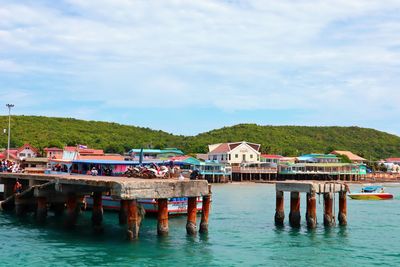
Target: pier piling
{"x": 280, "y": 209}
{"x": 123, "y": 212}
{"x": 162, "y": 216}
{"x": 329, "y": 217}
{"x": 20, "y": 206}
{"x": 294, "y": 215}
{"x": 97, "y": 212}
{"x": 72, "y": 212}
{"x": 205, "y": 213}
{"x": 342, "y": 216}
{"x": 133, "y": 220}
{"x": 191, "y": 216}
{"x": 311, "y": 214}
{"x": 41, "y": 211}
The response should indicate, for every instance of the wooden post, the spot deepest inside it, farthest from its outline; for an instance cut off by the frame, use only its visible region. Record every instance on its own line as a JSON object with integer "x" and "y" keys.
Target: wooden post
{"x": 41, "y": 211}
{"x": 342, "y": 216}
{"x": 280, "y": 209}
{"x": 205, "y": 212}
{"x": 311, "y": 215}
{"x": 72, "y": 210}
{"x": 294, "y": 215}
{"x": 162, "y": 216}
{"x": 97, "y": 212}
{"x": 133, "y": 220}
{"x": 123, "y": 212}
{"x": 191, "y": 216}
{"x": 329, "y": 217}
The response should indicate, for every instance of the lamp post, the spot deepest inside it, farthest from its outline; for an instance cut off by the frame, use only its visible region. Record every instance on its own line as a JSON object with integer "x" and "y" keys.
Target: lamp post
{"x": 9, "y": 106}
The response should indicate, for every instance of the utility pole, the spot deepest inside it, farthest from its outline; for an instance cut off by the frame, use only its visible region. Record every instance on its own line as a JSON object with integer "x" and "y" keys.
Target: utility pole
{"x": 9, "y": 106}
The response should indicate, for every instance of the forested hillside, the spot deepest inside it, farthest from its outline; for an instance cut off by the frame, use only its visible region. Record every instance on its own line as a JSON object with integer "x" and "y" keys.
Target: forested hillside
{"x": 112, "y": 137}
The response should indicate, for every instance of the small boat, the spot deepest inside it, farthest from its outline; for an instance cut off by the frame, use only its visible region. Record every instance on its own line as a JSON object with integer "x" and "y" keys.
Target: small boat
{"x": 375, "y": 192}
{"x": 176, "y": 206}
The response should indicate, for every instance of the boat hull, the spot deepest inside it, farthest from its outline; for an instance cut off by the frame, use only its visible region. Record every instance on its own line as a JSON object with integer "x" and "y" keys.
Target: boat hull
{"x": 371, "y": 196}
{"x": 176, "y": 206}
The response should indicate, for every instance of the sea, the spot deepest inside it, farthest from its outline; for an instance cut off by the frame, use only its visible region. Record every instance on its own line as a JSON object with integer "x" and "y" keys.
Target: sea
{"x": 241, "y": 233}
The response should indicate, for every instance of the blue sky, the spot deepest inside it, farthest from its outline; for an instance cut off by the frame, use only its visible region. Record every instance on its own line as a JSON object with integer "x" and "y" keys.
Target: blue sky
{"x": 190, "y": 66}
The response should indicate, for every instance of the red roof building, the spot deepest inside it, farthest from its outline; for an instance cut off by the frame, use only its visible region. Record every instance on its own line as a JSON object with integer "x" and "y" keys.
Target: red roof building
{"x": 13, "y": 154}
{"x": 27, "y": 151}
{"x": 234, "y": 153}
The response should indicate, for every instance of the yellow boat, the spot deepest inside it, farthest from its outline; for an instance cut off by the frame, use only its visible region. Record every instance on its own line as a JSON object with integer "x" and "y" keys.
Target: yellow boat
{"x": 371, "y": 193}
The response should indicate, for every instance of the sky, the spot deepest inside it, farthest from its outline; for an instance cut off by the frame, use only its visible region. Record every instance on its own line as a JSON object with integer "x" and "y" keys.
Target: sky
{"x": 187, "y": 67}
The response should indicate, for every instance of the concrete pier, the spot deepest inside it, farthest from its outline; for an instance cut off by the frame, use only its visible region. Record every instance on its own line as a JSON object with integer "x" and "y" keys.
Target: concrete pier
{"x": 205, "y": 212}
{"x": 41, "y": 212}
{"x": 280, "y": 209}
{"x": 162, "y": 217}
{"x": 191, "y": 216}
{"x": 61, "y": 192}
{"x": 97, "y": 212}
{"x": 311, "y": 214}
{"x": 329, "y": 217}
{"x": 342, "y": 216}
{"x": 311, "y": 188}
{"x": 294, "y": 215}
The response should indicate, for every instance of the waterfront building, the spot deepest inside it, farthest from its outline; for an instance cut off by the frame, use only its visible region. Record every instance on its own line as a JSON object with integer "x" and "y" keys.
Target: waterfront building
{"x": 271, "y": 158}
{"x": 318, "y": 158}
{"x": 151, "y": 154}
{"x": 13, "y": 154}
{"x": 53, "y": 152}
{"x": 322, "y": 171}
{"x": 353, "y": 157}
{"x": 27, "y": 151}
{"x": 393, "y": 160}
{"x": 235, "y": 153}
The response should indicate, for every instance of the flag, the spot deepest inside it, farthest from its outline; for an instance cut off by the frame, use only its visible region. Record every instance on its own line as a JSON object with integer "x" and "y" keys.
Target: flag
{"x": 82, "y": 147}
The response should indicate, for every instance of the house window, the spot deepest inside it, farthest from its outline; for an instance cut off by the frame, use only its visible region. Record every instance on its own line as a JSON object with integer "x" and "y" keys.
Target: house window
{"x": 229, "y": 156}
{"x": 251, "y": 156}
{"x": 22, "y": 154}
{"x": 236, "y": 156}
{"x": 215, "y": 157}
{"x": 29, "y": 155}
{"x": 222, "y": 157}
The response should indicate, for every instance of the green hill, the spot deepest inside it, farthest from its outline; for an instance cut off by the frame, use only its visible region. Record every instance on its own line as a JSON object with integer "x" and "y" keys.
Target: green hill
{"x": 112, "y": 137}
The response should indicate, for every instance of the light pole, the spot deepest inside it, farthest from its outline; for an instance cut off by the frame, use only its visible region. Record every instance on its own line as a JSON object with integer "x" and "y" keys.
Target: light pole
{"x": 9, "y": 129}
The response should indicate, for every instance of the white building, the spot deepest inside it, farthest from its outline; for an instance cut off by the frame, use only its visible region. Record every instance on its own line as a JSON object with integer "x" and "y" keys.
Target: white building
{"x": 235, "y": 153}
{"x": 27, "y": 151}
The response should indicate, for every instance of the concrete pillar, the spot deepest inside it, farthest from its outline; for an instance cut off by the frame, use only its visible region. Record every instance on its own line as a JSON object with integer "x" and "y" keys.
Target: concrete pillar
{"x": 205, "y": 213}
{"x": 123, "y": 212}
{"x": 72, "y": 210}
{"x": 342, "y": 216}
{"x": 41, "y": 212}
{"x": 280, "y": 209}
{"x": 329, "y": 217}
{"x": 97, "y": 212}
{"x": 311, "y": 215}
{"x": 20, "y": 207}
{"x": 162, "y": 216}
{"x": 191, "y": 216}
{"x": 133, "y": 220}
{"x": 294, "y": 215}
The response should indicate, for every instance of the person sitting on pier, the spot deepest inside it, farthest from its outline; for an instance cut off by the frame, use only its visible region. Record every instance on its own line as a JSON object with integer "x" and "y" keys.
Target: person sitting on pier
{"x": 17, "y": 187}
{"x": 94, "y": 171}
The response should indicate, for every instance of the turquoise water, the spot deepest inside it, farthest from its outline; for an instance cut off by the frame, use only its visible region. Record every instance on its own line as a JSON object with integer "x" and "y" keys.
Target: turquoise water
{"x": 242, "y": 233}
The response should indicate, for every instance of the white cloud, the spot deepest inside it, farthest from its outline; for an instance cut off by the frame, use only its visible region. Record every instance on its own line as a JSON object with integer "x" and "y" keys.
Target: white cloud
{"x": 232, "y": 55}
